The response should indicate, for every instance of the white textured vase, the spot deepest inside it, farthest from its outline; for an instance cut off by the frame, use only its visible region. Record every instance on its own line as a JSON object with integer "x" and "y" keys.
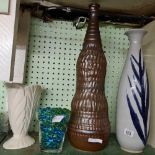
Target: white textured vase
{"x": 22, "y": 101}
{"x": 133, "y": 110}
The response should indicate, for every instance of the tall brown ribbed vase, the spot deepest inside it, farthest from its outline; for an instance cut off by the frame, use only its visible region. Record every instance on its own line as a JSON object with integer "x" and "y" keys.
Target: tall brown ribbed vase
{"x": 89, "y": 124}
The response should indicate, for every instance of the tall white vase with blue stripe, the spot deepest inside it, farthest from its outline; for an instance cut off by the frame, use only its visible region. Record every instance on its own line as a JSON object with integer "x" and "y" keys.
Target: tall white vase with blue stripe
{"x": 132, "y": 124}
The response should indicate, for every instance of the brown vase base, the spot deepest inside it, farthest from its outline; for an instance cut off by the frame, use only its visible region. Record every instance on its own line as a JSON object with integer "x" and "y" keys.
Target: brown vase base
{"x": 82, "y": 143}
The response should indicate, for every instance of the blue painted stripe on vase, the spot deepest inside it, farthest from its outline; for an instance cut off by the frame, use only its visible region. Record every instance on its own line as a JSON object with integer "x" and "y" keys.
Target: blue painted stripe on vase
{"x": 142, "y": 93}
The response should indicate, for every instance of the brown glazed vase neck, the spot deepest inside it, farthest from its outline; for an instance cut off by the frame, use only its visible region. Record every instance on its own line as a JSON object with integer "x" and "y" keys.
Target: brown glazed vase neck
{"x": 93, "y": 34}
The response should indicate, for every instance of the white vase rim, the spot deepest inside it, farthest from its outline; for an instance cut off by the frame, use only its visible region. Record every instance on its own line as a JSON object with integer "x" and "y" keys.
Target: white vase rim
{"x": 135, "y": 30}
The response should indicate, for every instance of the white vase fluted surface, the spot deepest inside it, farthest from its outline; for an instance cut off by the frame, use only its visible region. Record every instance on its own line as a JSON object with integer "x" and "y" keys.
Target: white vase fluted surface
{"x": 22, "y": 101}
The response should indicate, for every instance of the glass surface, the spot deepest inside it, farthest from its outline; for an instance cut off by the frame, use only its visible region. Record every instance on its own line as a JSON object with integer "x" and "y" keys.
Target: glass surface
{"x": 52, "y": 150}
{"x": 52, "y": 128}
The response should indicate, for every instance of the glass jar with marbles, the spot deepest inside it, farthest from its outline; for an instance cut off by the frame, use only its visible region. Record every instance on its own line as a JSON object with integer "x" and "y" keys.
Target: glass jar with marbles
{"x": 52, "y": 128}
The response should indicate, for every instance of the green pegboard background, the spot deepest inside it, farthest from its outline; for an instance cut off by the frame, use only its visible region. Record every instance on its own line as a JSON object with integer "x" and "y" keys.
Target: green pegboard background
{"x": 2, "y": 98}
{"x": 51, "y": 62}
{"x": 3, "y": 109}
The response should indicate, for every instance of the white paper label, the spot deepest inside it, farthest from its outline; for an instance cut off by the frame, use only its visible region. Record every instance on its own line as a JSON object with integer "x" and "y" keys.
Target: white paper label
{"x": 128, "y": 132}
{"x": 95, "y": 140}
{"x": 57, "y": 118}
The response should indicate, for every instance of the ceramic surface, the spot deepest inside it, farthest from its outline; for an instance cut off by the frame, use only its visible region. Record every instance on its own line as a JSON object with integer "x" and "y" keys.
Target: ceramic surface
{"x": 22, "y": 101}
{"x": 89, "y": 125}
{"x": 132, "y": 122}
